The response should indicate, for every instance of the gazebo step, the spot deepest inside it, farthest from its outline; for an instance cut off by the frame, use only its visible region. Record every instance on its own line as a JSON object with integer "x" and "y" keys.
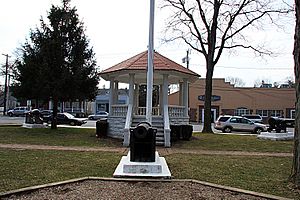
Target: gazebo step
{"x": 159, "y": 143}
{"x": 157, "y": 122}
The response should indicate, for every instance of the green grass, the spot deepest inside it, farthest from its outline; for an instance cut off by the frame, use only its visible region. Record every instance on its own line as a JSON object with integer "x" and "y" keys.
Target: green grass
{"x": 86, "y": 137}
{"x": 59, "y": 137}
{"x": 261, "y": 174}
{"x": 31, "y": 167}
{"x": 22, "y": 168}
{"x": 229, "y": 142}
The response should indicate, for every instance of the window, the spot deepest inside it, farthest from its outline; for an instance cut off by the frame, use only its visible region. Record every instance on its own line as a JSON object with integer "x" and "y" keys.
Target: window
{"x": 268, "y": 113}
{"x": 241, "y": 111}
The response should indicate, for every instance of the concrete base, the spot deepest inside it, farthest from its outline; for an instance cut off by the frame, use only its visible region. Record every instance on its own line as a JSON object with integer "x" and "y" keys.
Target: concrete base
{"x": 157, "y": 169}
{"x": 276, "y": 136}
{"x": 25, "y": 125}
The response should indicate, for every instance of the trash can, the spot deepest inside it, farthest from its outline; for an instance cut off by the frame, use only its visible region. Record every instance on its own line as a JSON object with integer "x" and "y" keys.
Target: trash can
{"x": 176, "y": 132}
{"x": 101, "y": 128}
{"x": 186, "y": 132}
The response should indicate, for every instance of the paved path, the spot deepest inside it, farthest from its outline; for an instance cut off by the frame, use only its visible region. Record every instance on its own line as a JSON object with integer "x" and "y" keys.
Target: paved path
{"x": 161, "y": 150}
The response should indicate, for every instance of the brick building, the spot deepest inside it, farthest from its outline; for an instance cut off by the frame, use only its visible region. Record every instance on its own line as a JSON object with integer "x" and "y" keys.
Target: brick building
{"x": 231, "y": 100}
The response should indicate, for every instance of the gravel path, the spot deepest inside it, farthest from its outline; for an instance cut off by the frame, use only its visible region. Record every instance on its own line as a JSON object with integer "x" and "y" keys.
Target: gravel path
{"x": 162, "y": 151}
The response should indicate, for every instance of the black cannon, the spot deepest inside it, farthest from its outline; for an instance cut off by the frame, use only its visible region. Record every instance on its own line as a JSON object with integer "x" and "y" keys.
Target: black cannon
{"x": 142, "y": 143}
{"x": 33, "y": 117}
{"x": 277, "y": 124}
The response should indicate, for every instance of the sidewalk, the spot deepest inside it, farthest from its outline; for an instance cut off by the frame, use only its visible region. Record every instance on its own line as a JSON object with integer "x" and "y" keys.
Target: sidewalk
{"x": 162, "y": 151}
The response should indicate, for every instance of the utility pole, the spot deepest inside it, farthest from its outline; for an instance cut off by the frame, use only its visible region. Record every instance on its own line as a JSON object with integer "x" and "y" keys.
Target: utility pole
{"x": 5, "y": 84}
{"x": 187, "y": 59}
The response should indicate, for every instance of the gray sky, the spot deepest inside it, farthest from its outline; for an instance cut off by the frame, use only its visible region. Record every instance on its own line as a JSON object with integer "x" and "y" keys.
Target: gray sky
{"x": 118, "y": 29}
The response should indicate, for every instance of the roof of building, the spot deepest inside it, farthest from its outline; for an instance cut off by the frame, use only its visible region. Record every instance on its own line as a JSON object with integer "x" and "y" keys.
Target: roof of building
{"x": 139, "y": 62}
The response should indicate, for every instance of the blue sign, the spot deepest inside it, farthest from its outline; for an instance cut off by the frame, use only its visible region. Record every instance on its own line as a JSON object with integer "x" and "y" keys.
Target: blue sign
{"x": 213, "y": 98}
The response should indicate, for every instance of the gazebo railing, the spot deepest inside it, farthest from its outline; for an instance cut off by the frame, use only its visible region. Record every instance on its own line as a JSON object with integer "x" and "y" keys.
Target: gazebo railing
{"x": 119, "y": 110}
{"x": 142, "y": 111}
{"x": 173, "y": 110}
{"x": 176, "y": 111}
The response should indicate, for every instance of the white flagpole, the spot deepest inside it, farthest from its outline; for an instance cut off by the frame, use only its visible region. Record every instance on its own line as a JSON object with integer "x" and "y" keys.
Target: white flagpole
{"x": 150, "y": 65}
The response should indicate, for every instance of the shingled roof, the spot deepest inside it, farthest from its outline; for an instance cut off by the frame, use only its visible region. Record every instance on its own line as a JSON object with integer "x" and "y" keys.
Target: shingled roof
{"x": 139, "y": 62}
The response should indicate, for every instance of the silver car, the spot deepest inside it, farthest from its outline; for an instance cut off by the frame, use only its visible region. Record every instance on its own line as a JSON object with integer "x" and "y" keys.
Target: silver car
{"x": 99, "y": 115}
{"x": 228, "y": 123}
{"x": 17, "y": 111}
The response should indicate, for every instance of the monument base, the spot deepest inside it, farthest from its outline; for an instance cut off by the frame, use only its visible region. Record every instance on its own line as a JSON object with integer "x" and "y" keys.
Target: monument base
{"x": 157, "y": 169}
{"x": 26, "y": 125}
{"x": 276, "y": 136}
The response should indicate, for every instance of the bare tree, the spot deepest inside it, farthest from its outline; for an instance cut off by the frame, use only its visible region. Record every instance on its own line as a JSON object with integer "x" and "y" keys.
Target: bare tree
{"x": 236, "y": 81}
{"x": 296, "y": 160}
{"x": 212, "y": 26}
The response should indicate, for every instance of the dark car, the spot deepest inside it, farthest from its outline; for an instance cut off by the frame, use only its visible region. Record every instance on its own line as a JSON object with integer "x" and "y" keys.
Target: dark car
{"x": 65, "y": 118}
{"x": 46, "y": 112}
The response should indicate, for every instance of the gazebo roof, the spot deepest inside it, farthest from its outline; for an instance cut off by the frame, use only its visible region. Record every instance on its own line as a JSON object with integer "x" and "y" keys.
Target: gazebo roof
{"x": 138, "y": 65}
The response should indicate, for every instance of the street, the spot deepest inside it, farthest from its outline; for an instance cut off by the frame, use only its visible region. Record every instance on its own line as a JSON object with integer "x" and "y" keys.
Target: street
{"x": 5, "y": 120}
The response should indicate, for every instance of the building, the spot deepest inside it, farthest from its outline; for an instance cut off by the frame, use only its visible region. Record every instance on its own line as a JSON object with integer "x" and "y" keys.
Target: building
{"x": 102, "y": 99}
{"x": 227, "y": 99}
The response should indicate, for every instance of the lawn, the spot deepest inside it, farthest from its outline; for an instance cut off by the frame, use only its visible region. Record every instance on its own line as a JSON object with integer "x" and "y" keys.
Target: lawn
{"x": 22, "y": 168}
{"x": 229, "y": 142}
{"x": 86, "y": 137}
{"x": 59, "y": 137}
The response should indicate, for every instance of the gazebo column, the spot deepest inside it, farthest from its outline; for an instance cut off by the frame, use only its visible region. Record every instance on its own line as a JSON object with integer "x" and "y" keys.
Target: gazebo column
{"x": 185, "y": 97}
{"x": 161, "y": 103}
{"x": 136, "y": 98}
{"x": 180, "y": 94}
{"x": 116, "y": 92}
{"x": 165, "y": 105}
{"x": 111, "y": 96}
{"x": 129, "y": 111}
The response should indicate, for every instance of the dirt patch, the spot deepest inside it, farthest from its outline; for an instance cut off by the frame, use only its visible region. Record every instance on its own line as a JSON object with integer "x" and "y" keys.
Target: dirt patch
{"x": 99, "y": 189}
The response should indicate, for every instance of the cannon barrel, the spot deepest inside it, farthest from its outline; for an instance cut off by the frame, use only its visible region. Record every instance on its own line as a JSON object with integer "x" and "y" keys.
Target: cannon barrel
{"x": 142, "y": 143}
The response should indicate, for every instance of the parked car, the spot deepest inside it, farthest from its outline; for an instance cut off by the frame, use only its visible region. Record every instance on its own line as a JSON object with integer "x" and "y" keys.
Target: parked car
{"x": 65, "y": 118}
{"x": 18, "y": 111}
{"x": 254, "y": 118}
{"x": 46, "y": 112}
{"x": 99, "y": 115}
{"x": 228, "y": 123}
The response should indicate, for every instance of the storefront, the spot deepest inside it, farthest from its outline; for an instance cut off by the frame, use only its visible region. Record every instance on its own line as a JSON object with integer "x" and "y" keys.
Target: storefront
{"x": 227, "y": 99}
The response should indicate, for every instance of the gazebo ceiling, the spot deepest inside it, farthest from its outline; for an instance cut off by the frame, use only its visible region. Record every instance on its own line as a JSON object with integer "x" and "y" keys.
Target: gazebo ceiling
{"x": 138, "y": 65}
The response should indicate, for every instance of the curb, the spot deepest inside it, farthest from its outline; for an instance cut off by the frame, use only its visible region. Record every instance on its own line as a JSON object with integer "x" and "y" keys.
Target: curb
{"x": 33, "y": 188}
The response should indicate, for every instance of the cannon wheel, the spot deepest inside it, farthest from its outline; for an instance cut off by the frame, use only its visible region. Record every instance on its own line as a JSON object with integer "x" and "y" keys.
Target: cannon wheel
{"x": 227, "y": 129}
{"x": 258, "y": 130}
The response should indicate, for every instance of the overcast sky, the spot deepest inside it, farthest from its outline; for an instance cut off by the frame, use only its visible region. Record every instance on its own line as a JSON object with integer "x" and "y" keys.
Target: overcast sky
{"x": 118, "y": 29}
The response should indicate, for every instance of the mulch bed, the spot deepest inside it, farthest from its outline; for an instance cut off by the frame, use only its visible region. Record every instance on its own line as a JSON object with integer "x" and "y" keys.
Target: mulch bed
{"x": 138, "y": 190}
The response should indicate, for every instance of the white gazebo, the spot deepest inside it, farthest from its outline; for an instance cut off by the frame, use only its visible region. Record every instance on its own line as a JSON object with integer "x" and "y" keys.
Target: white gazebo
{"x": 133, "y": 71}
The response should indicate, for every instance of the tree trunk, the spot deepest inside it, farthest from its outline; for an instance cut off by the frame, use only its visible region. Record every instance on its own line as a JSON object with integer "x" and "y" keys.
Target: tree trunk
{"x": 54, "y": 117}
{"x": 296, "y": 160}
{"x": 207, "y": 104}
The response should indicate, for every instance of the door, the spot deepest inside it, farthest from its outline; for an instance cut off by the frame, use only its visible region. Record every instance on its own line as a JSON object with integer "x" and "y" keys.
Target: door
{"x": 213, "y": 115}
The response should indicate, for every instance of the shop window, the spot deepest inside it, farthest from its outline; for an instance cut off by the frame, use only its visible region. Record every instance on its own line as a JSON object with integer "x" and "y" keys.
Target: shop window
{"x": 268, "y": 113}
{"x": 241, "y": 111}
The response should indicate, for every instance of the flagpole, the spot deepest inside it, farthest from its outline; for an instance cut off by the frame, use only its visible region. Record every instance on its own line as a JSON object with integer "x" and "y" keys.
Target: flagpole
{"x": 150, "y": 64}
